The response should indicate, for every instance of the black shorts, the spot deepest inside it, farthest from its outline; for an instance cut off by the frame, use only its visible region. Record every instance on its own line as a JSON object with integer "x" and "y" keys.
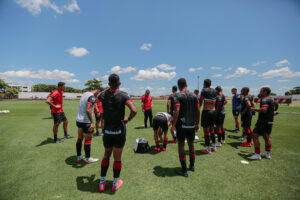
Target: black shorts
{"x": 208, "y": 118}
{"x": 59, "y": 117}
{"x": 115, "y": 138}
{"x": 85, "y": 127}
{"x": 185, "y": 133}
{"x": 220, "y": 119}
{"x": 100, "y": 118}
{"x": 263, "y": 127}
{"x": 246, "y": 119}
{"x": 236, "y": 112}
{"x": 161, "y": 122}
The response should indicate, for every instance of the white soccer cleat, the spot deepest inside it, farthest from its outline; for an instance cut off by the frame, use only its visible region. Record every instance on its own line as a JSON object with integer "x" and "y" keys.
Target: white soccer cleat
{"x": 266, "y": 155}
{"x": 196, "y": 137}
{"x": 91, "y": 160}
{"x": 218, "y": 144}
{"x": 242, "y": 138}
{"x": 255, "y": 157}
{"x": 223, "y": 141}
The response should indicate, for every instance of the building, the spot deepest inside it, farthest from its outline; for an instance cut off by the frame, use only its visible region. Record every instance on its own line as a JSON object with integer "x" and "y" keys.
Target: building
{"x": 21, "y": 87}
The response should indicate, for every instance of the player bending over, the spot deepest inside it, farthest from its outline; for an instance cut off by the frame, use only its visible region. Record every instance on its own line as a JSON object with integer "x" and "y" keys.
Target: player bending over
{"x": 263, "y": 126}
{"x": 85, "y": 124}
{"x": 208, "y": 98}
{"x": 114, "y": 138}
{"x": 220, "y": 116}
{"x": 161, "y": 123}
{"x": 185, "y": 123}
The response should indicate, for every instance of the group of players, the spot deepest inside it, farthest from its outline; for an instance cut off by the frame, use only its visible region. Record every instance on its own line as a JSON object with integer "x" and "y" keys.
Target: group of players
{"x": 183, "y": 115}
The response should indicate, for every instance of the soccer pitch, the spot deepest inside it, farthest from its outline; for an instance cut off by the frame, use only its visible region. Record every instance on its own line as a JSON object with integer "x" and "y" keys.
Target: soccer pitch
{"x": 33, "y": 168}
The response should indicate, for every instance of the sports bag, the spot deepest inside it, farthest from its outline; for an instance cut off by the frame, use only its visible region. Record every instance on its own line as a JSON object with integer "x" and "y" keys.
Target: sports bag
{"x": 141, "y": 146}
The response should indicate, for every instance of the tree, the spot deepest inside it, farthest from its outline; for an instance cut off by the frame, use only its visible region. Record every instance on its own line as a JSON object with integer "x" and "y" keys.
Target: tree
{"x": 3, "y": 85}
{"x": 92, "y": 84}
{"x": 43, "y": 88}
{"x": 273, "y": 94}
{"x": 11, "y": 92}
{"x": 295, "y": 90}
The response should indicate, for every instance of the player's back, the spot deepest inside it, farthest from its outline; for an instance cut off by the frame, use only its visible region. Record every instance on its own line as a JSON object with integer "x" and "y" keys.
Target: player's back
{"x": 188, "y": 107}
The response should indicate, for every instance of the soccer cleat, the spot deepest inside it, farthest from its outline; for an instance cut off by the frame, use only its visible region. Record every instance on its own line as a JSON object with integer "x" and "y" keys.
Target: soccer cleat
{"x": 218, "y": 144}
{"x": 68, "y": 136}
{"x": 98, "y": 133}
{"x": 157, "y": 149}
{"x": 205, "y": 151}
{"x": 246, "y": 144}
{"x": 164, "y": 149}
{"x": 223, "y": 141}
{"x": 181, "y": 173}
{"x": 58, "y": 141}
{"x": 255, "y": 157}
{"x": 173, "y": 141}
{"x": 80, "y": 158}
{"x": 115, "y": 188}
{"x": 102, "y": 187}
{"x": 242, "y": 138}
{"x": 196, "y": 137}
{"x": 266, "y": 155}
{"x": 213, "y": 149}
{"x": 192, "y": 168}
{"x": 91, "y": 160}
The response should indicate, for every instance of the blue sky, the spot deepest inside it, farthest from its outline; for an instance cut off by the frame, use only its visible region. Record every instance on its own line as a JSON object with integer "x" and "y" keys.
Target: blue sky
{"x": 152, "y": 43}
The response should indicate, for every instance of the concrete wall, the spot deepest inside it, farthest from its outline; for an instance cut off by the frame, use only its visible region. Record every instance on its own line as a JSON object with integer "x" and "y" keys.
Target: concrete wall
{"x": 43, "y": 95}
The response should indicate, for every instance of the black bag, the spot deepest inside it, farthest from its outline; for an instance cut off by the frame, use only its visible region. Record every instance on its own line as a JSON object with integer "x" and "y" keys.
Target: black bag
{"x": 141, "y": 146}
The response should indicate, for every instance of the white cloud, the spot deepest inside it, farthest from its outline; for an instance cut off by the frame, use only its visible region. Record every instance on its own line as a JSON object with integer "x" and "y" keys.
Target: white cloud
{"x": 240, "y": 71}
{"x": 283, "y": 81}
{"x": 40, "y": 74}
{"x": 105, "y": 77}
{"x": 77, "y": 52}
{"x": 146, "y": 47}
{"x": 283, "y": 72}
{"x": 120, "y": 70}
{"x": 93, "y": 73}
{"x": 282, "y": 62}
{"x": 72, "y": 81}
{"x": 153, "y": 74}
{"x": 35, "y": 6}
{"x": 217, "y": 75}
{"x": 157, "y": 91}
{"x": 215, "y": 68}
{"x": 195, "y": 69}
{"x": 72, "y": 7}
{"x": 228, "y": 69}
{"x": 256, "y": 90}
{"x": 166, "y": 67}
{"x": 125, "y": 90}
{"x": 258, "y": 63}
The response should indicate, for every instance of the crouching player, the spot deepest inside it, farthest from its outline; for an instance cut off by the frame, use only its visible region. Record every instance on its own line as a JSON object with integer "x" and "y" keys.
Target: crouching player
{"x": 85, "y": 124}
{"x": 114, "y": 138}
{"x": 264, "y": 124}
{"x": 161, "y": 122}
{"x": 220, "y": 116}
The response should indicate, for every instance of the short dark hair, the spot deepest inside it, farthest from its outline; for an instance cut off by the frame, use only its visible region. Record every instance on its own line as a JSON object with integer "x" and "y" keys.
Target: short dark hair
{"x": 234, "y": 88}
{"x": 148, "y": 91}
{"x": 267, "y": 89}
{"x": 246, "y": 89}
{"x": 181, "y": 83}
{"x": 218, "y": 88}
{"x": 61, "y": 84}
{"x": 196, "y": 91}
{"x": 174, "y": 88}
{"x": 113, "y": 80}
{"x": 207, "y": 82}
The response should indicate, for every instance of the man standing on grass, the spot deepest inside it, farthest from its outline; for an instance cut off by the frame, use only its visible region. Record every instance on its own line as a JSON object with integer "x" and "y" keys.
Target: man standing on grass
{"x": 170, "y": 108}
{"x": 236, "y": 108}
{"x": 185, "y": 123}
{"x": 208, "y": 98}
{"x": 98, "y": 111}
{"x": 55, "y": 100}
{"x": 114, "y": 101}
{"x": 246, "y": 117}
{"x": 147, "y": 108}
{"x": 220, "y": 116}
{"x": 263, "y": 126}
{"x": 85, "y": 124}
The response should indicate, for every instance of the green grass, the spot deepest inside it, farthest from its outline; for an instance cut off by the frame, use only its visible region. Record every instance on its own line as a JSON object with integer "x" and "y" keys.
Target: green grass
{"x": 34, "y": 168}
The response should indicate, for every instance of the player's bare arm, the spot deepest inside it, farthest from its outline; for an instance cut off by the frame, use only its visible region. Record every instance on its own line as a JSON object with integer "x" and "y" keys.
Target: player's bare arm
{"x": 89, "y": 114}
{"x": 175, "y": 117}
{"x": 132, "y": 114}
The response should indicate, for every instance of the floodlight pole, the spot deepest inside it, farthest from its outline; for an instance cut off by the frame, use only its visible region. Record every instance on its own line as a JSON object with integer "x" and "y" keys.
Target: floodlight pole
{"x": 198, "y": 82}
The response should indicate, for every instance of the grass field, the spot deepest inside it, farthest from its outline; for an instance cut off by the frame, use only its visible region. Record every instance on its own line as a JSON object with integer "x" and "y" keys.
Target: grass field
{"x": 33, "y": 168}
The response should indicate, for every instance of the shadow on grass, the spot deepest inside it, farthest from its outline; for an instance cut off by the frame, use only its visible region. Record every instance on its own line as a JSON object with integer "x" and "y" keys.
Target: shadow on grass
{"x": 47, "y": 118}
{"x": 141, "y": 127}
{"x": 47, "y": 141}
{"x": 235, "y": 144}
{"x": 233, "y": 137}
{"x": 229, "y": 130}
{"x": 245, "y": 156}
{"x": 165, "y": 171}
{"x": 90, "y": 184}
{"x": 72, "y": 160}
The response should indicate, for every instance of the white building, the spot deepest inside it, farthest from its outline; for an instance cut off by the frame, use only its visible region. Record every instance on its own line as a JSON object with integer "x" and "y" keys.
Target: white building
{"x": 21, "y": 87}
{"x": 43, "y": 95}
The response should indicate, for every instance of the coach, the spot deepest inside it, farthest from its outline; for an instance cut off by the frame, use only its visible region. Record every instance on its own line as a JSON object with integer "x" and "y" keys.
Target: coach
{"x": 147, "y": 107}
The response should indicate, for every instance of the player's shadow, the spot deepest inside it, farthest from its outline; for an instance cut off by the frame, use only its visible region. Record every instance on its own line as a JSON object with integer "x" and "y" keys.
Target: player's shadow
{"x": 47, "y": 118}
{"x": 72, "y": 160}
{"x": 245, "y": 155}
{"x": 90, "y": 184}
{"x": 140, "y": 127}
{"x": 233, "y": 137}
{"x": 197, "y": 152}
{"x": 152, "y": 150}
{"x": 229, "y": 130}
{"x": 235, "y": 144}
{"x": 165, "y": 171}
{"x": 46, "y": 141}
